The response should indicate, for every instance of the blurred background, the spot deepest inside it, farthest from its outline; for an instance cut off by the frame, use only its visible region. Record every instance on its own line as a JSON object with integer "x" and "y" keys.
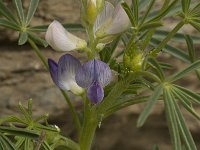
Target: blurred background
{"x": 22, "y": 76}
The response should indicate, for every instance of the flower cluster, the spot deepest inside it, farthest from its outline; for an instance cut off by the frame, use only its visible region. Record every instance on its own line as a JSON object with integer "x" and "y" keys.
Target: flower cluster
{"x": 69, "y": 74}
{"x": 94, "y": 75}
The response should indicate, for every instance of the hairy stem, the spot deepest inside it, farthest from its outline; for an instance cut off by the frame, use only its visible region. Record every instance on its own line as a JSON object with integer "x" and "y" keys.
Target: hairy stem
{"x": 89, "y": 126}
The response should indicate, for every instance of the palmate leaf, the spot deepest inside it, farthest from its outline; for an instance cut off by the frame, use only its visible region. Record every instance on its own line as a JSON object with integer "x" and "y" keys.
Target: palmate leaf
{"x": 23, "y": 37}
{"x": 37, "y": 39}
{"x": 195, "y": 25}
{"x": 7, "y": 13}
{"x": 135, "y": 10}
{"x": 191, "y": 52}
{"x": 149, "y": 106}
{"x": 185, "y": 71}
{"x": 177, "y": 125}
{"x": 1, "y": 145}
{"x": 171, "y": 50}
{"x": 185, "y": 102}
{"x": 11, "y": 119}
{"x": 46, "y": 146}
{"x": 176, "y": 8}
{"x": 20, "y": 141}
{"x": 19, "y": 132}
{"x": 178, "y": 37}
{"x": 6, "y": 143}
{"x": 28, "y": 144}
{"x": 171, "y": 119}
{"x": 165, "y": 65}
{"x": 31, "y": 10}
{"x": 19, "y": 9}
{"x": 8, "y": 24}
{"x": 185, "y": 5}
{"x": 125, "y": 102}
{"x": 185, "y": 133}
{"x": 164, "y": 11}
{"x": 25, "y": 113}
{"x": 153, "y": 62}
{"x": 188, "y": 93}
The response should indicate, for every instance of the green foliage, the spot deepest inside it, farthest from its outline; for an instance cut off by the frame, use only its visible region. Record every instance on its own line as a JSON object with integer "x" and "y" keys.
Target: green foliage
{"x": 146, "y": 39}
{"x": 31, "y": 133}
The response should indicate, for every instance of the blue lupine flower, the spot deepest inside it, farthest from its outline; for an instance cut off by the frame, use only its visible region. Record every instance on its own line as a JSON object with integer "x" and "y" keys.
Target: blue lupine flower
{"x": 63, "y": 73}
{"x": 69, "y": 74}
{"x": 94, "y": 75}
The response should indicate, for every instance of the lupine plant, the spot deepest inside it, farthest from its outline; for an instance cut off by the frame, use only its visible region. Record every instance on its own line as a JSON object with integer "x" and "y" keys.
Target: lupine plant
{"x": 121, "y": 68}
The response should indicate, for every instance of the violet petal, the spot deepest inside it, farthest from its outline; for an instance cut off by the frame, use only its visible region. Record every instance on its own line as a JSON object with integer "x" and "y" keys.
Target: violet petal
{"x": 95, "y": 92}
{"x": 67, "y": 66}
{"x": 94, "y": 70}
{"x": 53, "y": 69}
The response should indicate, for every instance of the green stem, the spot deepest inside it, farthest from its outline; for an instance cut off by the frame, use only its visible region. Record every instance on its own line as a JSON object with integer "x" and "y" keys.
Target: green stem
{"x": 39, "y": 54}
{"x": 71, "y": 107}
{"x": 89, "y": 126}
{"x": 73, "y": 112}
{"x": 155, "y": 52}
{"x": 92, "y": 41}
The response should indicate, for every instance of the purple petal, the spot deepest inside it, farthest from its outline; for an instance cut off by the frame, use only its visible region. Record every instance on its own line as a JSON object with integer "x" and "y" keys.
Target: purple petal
{"x": 53, "y": 69}
{"x": 91, "y": 71}
{"x": 95, "y": 92}
{"x": 67, "y": 67}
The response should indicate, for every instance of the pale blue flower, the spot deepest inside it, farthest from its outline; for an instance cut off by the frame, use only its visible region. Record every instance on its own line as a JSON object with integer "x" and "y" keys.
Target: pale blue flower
{"x": 94, "y": 76}
{"x": 69, "y": 74}
{"x": 63, "y": 73}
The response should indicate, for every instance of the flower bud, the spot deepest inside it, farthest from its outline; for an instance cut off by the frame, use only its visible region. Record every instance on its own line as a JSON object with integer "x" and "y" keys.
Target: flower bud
{"x": 92, "y": 9}
{"x": 134, "y": 62}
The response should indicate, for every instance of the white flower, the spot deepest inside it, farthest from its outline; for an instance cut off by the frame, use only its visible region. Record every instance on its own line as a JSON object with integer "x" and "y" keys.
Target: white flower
{"x": 111, "y": 21}
{"x": 61, "y": 40}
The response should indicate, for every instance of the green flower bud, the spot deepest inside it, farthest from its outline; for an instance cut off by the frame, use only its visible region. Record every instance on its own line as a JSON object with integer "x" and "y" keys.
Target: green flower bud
{"x": 134, "y": 61}
{"x": 91, "y": 10}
